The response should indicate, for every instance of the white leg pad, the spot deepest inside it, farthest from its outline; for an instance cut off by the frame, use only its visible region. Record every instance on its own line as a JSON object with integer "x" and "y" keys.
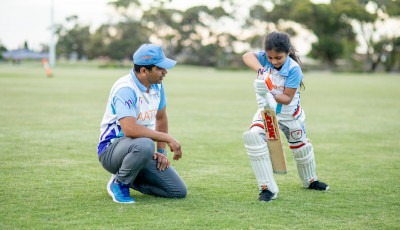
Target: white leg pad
{"x": 304, "y": 158}
{"x": 257, "y": 149}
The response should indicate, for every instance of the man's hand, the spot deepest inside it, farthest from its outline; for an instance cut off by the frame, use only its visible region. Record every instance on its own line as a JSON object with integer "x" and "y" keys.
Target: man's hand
{"x": 162, "y": 161}
{"x": 175, "y": 148}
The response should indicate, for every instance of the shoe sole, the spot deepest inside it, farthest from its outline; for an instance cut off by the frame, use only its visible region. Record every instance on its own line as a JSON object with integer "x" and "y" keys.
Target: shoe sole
{"x": 272, "y": 198}
{"x": 109, "y": 186}
{"x": 112, "y": 194}
{"x": 326, "y": 189}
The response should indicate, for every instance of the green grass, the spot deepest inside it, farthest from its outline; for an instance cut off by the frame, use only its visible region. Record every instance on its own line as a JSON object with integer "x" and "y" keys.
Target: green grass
{"x": 51, "y": 178}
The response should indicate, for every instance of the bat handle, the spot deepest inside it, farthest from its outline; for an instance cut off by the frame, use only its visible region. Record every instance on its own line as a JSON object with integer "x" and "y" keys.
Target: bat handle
{"x": 269, "y": 83}
{"x": 267, "y": 79}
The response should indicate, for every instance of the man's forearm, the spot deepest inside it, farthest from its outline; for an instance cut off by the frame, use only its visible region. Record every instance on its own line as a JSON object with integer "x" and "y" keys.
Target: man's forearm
{"x": 142, "y": 131}
{"x": 162, "y": 126}
{"x": 133, "y": 130}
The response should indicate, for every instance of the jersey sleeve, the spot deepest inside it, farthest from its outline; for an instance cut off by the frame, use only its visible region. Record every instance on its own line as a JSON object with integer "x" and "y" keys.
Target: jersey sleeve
{"x": 163, "y": 98}
{"x": 294, "y": 78}
{"x": 124, "y": 103}
{"x": 262, "y": 57}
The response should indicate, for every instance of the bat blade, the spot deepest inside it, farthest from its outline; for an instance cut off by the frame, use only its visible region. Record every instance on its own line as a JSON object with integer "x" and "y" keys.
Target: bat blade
{"x": 274, "y": 142}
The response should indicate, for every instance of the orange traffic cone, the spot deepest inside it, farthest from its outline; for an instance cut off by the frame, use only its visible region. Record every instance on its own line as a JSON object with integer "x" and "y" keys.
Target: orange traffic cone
{"x": 47, "y": 67}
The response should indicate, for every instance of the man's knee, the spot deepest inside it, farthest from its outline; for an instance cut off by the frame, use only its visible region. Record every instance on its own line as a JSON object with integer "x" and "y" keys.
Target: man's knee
{"x": 143, "y": 146}
{"x": 175, "y": 187}
{"x": 181, "y": 192}
{"x": 147, "y": 146}
{"x": 140, "y": 152}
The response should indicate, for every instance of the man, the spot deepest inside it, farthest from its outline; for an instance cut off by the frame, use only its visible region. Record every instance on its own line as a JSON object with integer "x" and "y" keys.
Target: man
{"x": 135, "y": 117}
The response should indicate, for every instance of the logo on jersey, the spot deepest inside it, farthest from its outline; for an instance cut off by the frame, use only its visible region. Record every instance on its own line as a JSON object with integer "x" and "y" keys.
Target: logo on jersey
{"x": 141, "y": 100}
{"x": 147, "y": 115}
{"x": 129, "y": 103}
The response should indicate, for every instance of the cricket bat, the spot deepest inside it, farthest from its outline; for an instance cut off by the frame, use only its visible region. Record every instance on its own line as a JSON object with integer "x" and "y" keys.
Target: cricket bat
{"x": 274, "y": 141}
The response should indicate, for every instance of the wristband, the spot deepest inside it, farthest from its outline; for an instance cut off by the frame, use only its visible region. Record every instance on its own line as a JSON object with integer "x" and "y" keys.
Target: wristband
{"x": 163, "y": 151}
{"x": 261, "y": 71}
{"x": 273, "y": 93}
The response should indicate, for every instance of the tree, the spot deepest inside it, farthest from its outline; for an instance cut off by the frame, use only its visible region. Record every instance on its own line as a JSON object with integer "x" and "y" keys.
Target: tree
{"x": 117, "y": 41}
{"x": 388, "y": 54}
{"x": 72, "y": 38}
{"x": 26, "y": 45}
{"x": 2, "y": 49}
{"x": 127, "y": 38}
{"x": 378, "y": 45}
{"x": 44, "y": 48}
{"x": 331, "y": 23}
{"x": 335, "y": 25}
{"x": 393, "y": 57}
{"x": 99, "y": 41}
{"x": 186, "y": 34}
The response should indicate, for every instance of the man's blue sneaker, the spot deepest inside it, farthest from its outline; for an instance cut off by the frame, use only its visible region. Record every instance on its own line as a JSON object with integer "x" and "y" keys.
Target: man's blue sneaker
{"x": 119, "y": 191}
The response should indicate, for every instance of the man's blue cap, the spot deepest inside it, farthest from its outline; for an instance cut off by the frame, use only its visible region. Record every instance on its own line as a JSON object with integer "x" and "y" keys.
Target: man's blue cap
{"x": 150, "y": 54}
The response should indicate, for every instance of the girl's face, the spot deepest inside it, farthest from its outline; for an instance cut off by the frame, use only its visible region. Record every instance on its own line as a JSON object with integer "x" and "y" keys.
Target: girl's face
{"x": 277, "y": 59}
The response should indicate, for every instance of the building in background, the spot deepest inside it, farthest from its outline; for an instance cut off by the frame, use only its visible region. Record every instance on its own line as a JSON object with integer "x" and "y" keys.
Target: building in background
{"x": 20, "y": 54}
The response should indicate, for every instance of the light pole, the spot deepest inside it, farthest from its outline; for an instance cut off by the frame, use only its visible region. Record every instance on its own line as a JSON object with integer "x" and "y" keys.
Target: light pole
{"x": 52, "y": 47}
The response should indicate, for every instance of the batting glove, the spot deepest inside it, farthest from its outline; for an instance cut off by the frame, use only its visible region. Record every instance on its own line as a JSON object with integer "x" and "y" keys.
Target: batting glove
{"x": 261, "y": 100}
{"x": 260, "y": 86}
{"x": 266, "y": 101}
{"x": 271, "y": 103}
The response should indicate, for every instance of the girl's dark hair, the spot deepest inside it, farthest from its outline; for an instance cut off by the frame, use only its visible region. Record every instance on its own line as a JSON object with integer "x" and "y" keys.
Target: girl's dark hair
{"x": 280, "y": 42}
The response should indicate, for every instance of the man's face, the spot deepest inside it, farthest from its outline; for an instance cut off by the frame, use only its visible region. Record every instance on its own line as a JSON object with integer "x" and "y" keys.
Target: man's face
{"x": 156, "y": 75}
{"x": 277, "y": 59}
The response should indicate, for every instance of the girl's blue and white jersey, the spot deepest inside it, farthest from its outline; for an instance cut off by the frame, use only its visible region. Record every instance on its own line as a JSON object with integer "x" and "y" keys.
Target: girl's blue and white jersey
{"x": 290, "y": 76}
{"x": 128, "y": 97}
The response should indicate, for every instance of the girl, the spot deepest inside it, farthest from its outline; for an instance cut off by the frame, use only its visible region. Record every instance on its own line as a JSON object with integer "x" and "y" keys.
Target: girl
{"x": 281, "y": 64}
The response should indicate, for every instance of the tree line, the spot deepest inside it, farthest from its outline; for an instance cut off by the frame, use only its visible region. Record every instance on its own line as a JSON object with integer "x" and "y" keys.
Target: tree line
{"x": 217, "y": 36}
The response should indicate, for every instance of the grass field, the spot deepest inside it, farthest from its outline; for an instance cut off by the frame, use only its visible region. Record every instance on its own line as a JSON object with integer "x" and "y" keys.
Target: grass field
{"x": 51, "y": 178}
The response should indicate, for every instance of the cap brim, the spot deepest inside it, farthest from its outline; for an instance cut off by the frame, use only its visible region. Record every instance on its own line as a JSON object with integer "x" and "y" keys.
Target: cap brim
{"x": 166, "y": 63}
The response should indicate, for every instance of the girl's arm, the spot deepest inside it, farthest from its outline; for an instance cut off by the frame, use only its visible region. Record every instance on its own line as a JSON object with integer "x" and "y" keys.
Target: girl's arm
{"x": 286, "y": 97}
{"x": 251, "y": 60}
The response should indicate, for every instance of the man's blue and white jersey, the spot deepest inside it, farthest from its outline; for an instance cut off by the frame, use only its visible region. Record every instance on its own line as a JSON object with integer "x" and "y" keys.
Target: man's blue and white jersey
{"x": 290, "y": 76}
{"x": 128, "y": 97}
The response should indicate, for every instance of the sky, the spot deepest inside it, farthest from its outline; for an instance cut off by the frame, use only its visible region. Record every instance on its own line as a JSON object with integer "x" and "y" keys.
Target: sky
{"x": 29, "y": 20}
